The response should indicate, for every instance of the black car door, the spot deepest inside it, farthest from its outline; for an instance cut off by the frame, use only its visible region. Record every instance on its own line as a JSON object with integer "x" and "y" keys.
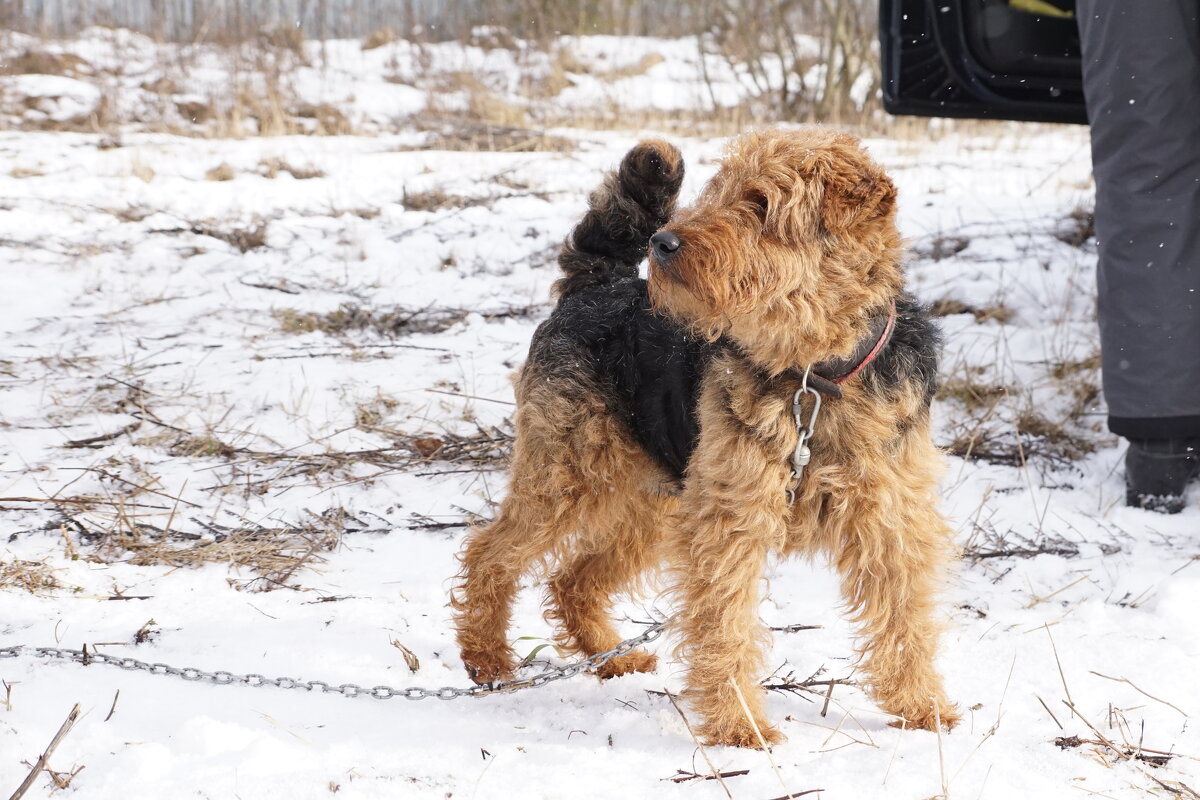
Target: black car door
{"x": 996, "y": 59}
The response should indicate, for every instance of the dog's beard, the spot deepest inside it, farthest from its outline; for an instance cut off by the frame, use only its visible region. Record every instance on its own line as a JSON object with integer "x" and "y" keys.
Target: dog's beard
{"x": 672, "y": 299}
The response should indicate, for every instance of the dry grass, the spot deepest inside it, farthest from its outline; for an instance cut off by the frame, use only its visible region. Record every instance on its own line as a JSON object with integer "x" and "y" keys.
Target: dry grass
{"x": 948, "y": 306}
{"x": 986, "y": 542}
{"x": 643, "y": 65}
{"x": 493, "y": 37}
{"x": 221, "y": 172}
{"x": 460, "y": 134}
{"x": 162, "y": 85}
{"x": 379, "y": 38}
{"x": 274, "y": 556}
{"x": 286, "y": 38}
{"x": 565, "y": 60}
{"x": 32, "y": 576}
{"x": 330, "y": 120}
{"x": 1054, "y": 436}
{"x": 197, "y": 111}
{"x": 1078, "y": 228}
{"x": 1002, "y": 423}
{"x": 397, "y": 321}
{"x": 203, "y": 446}
{"x": 1084, "y": 367}
{"x": 554, "y": 80}
{"x": 971, "y": 393}
{"x": 256, "y": 472}
{"x": 132, "y": 519}
{"x": 244, "y": 239}
{"x": 271, "y": 167}
{"x": 1033, "y": 438}
{"x": 483, "y": 105}
{"x": 108, "y": 530}
{"x": 40, "y": 62}
{"x": 370, "y": 416}
{"x": 141, "y": 170}
{"x": 433, "y": 200}
{"x": 937, "y": 248}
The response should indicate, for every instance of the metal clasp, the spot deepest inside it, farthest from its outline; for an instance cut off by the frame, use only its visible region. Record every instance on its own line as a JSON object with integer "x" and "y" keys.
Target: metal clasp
{"x": 804, "y": 431}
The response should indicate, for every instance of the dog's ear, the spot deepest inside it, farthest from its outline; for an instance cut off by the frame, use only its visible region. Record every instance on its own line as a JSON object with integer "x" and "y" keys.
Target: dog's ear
{"x": 855, "y": 191}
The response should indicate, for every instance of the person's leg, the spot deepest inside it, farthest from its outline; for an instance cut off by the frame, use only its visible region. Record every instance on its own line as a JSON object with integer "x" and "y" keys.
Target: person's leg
{"x": 1141, "y": 73}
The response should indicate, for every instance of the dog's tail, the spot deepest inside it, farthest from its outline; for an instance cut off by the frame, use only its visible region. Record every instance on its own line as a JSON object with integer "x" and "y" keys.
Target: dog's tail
{"x": 632, "y": 203}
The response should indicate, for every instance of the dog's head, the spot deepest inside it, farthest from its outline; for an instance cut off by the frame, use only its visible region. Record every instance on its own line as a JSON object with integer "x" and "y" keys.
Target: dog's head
{"x": 790, "y": 249}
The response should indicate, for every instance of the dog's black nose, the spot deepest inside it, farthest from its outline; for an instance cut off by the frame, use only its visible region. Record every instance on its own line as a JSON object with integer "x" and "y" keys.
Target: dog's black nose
{"x": 665, "y": 244}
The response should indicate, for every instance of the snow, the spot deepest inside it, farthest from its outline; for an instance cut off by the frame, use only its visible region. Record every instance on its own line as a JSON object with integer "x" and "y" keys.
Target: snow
{"x": 54, "y": 97}
{"x": 108, "y": 288}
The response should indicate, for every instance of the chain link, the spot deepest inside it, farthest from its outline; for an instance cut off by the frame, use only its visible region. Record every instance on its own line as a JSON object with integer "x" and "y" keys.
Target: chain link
{"x": 224, "y": 678}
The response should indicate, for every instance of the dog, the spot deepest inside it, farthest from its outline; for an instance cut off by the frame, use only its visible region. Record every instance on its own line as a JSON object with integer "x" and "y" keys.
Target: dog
{"x": 669, "y": 421}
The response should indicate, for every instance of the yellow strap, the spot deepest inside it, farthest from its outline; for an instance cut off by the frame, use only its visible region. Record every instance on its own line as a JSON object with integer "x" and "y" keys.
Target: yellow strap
{"x": 1040, "y": 7}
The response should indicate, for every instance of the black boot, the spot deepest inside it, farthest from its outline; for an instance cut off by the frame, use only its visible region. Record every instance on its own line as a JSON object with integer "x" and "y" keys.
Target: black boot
{"x": 1157, "y": 470}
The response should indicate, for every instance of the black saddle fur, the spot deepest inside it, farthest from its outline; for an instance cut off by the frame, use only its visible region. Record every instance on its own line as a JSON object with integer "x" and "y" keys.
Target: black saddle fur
{"x": 648, "y": 368}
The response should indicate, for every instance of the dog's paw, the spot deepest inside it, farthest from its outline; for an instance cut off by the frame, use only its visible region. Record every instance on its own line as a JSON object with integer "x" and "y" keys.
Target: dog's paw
{"x": 926, "y": 719}
{"x": 488, "y": 667}
{"x": 630, "y": 662}
{"x": 741, "y": 735}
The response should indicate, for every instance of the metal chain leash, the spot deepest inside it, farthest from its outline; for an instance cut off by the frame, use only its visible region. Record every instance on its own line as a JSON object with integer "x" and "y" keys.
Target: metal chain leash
{"x": 223, "y": 678}
{"x": 802, "y": 455}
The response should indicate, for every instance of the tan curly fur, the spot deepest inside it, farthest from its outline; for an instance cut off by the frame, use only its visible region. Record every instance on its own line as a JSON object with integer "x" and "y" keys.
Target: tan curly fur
{"x": 789, "y": 253}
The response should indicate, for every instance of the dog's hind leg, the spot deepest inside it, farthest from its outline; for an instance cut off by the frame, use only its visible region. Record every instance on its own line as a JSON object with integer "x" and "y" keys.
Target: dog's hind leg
{"x": 622, "y": 531}
{"x": 536, "y": 519}
{"x": 495, "y": 558}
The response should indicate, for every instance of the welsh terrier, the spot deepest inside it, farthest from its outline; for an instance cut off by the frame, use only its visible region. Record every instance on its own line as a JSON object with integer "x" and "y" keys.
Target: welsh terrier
{"x": 668, "y": 420}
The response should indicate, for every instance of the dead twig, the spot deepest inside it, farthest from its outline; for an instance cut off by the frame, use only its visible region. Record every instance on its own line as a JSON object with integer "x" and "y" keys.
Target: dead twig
{"x": 283, "y": 289}
{"x": 682, "y": 776}
{"x": 795, "y": 628}
{"x": 737, "y": 690}
{"x": 113, "y": 709}
{"x": 410, "y": 658}
{"x": 1183, "y": 791}
{"x": 1155, "y": 758}
{"x": 63, "y": 730}
{"x": 104, "y": 437}
{"x": 472, "y": 397}
{"x": 1103, "y": 739}
{"x": 82, "y": 501}
{"x": 1039, "y": 600}
{"x": 716, "y": 774}
{"x": 795, "y": 687}
{"x": 1051, "y": 713}
{"x": 1061, "y": 674}
{"x": 1143, "y": 691}
{"x": 106, "y": 474}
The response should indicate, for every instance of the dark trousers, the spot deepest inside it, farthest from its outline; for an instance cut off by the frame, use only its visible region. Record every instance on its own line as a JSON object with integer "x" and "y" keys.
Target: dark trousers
{"x": 1141, "y": 77}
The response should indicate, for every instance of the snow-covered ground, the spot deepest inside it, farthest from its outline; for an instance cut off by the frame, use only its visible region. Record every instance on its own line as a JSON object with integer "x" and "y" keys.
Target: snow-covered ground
{"x": 242, "y": 404}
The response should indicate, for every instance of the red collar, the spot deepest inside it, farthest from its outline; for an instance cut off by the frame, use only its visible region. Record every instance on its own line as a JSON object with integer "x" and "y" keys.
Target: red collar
{"x": 826, "y": 376}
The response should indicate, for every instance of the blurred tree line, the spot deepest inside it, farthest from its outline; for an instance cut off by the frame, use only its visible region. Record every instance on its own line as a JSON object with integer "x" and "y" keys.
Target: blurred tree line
{"x": 772, "y": 40}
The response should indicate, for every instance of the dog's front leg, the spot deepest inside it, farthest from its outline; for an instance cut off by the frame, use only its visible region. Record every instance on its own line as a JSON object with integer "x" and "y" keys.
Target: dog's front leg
{"x": 893, "y": 552}
{"x": 733, "y": 509}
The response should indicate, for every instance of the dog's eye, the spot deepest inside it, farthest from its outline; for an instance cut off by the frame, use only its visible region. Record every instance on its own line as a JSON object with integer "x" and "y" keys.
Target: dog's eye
{"x": 758, "y": 204}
